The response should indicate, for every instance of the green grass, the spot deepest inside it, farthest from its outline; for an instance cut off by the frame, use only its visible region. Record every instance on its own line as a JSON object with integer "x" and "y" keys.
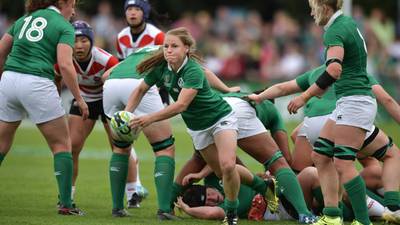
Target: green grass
{"x": 28, "y": 192}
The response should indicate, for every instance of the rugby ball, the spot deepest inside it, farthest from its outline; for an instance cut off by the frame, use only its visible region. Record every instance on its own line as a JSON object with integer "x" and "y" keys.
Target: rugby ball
{"x": 120, "y": 127}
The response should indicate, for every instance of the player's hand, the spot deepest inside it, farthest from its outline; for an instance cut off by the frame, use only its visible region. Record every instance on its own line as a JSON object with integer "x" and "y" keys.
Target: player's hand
{"x": 234, "y": 89}
{"x": 255, "y": 98}
{"x": 295, "y": 104}
{"x": 180, "y": 204}
{"x": 83, "y": 108}
{"x": 191, "y": 178}
{"x": 140, "y": 122}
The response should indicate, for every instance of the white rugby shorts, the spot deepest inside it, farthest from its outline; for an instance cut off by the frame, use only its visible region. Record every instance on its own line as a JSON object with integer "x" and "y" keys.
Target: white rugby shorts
{"x": 116, "y": 93}
{"x": 22, "y": 94}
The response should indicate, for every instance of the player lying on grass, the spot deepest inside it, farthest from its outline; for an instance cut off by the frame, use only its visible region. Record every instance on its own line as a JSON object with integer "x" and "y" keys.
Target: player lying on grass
{"x": 204, "y": 201}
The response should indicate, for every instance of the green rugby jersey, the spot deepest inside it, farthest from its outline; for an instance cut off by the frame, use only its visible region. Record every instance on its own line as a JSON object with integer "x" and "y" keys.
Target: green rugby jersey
{"x": 266, "y": 112}
{"x": 35, "y": 40}
{"x": 127, "y": 68}
{"x": 245, "y": 196}
{"x": 206, "y": 108}
{"x": 317, "y": 106}
{"x": 342, "y": 31}
{"x": 327, "y": 102}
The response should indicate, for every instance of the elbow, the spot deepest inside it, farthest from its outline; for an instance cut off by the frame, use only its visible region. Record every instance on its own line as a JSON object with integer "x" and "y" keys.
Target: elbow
{"x": 64, "y": 66}
{"x": 281, "y": 88}
{"x": 335, "y": 70}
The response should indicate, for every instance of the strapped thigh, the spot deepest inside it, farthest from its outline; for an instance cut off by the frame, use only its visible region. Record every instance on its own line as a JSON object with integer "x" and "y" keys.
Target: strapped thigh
{"x": 277, "y": 155}
{"x": 345, "y": 152}
{"x": 161, "y": 145}
{"x": 121, "y": 144}
{"x": 324, "y": 146}
{"x": 381, "y": 152}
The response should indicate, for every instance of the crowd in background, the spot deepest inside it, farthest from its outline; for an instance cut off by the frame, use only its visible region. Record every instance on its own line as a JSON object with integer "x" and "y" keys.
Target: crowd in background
{"x": 238, "y": 45}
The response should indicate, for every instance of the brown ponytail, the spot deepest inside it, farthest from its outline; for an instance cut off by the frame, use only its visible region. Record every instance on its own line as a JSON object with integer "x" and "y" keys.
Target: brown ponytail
{"x": 157, "y": 58}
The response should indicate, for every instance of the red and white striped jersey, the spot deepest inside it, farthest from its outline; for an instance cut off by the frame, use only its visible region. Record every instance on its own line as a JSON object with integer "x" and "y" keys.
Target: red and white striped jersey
{"x": 90, "y": 84}
{"x": 150, "y": 36}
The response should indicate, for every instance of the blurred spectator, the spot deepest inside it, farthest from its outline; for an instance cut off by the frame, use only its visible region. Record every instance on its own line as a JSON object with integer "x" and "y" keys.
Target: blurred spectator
{"x": 3, "y": 24}
{"x": 104, "y": 26}
{"x": 382, "y": 26}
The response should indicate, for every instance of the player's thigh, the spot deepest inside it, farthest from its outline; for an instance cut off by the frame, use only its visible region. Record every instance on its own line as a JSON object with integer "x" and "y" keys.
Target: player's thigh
{"x": 261, "y": 146}
{"x": 56, "y": 134}
{"x": 225, "y": 141}
{"x": 158, "y": 131}
{"x": 378, "y": 142}
{"x": 327, "y": 130}
{"x": 349, "y": 136}
{"x": 79, "y": 130}
{"x": 301, "y": 156}
{"x": 7, "y": 133}
{"x": 210, "y": 155}
{"x": 194, "y": 165}
{"x": 354, "y": 116}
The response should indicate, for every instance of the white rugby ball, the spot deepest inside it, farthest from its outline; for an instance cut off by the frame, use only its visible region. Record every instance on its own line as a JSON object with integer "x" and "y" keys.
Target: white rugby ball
{"x": 120, "y": 126}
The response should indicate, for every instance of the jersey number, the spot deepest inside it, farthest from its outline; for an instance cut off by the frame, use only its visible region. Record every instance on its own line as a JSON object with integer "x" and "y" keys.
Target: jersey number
{"x": 35, "y": 31}
{"x": 365, "y": 45}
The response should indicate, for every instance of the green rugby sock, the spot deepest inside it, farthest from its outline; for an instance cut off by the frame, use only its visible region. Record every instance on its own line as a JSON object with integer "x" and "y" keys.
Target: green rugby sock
{"x": 164, "y": 175}
{"x": 118, "y": 174}
{"x": 332, "y": 211}
{"x": 356, "y": 192}
{"x": 231, "y": 206}
{"x": 290, "y": 188}
{"x": 392, "y": 200}
{"x": 258, "y": 185}
{"x": 63, "y": 173}
{"x": 176, "y": 191}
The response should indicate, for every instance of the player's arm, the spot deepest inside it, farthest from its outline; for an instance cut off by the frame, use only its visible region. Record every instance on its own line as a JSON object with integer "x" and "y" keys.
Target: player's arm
{"x": 185, "y": 97}
{"x": 216, "y": 83}
{"x": 57, "y": 78}
{"x": 202, "y": 212}
{"x": 195, "y": 177}
{"x": 136, "y": 96}
{"x": 277, "y": 90}
{"x": 391, "y": 106}
{"x": 332, "y": 73}
{"x": 5, "y": 48}
{"x": 67, "y": 70}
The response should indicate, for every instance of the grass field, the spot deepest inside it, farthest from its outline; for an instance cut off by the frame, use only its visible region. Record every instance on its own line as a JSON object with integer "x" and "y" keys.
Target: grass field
{"x": 28, "y": 193}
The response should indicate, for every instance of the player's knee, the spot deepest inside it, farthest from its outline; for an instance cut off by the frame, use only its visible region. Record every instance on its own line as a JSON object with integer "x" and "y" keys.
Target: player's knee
{"x": 319, "y": 159}
{"x": 228, "y": 166}
{"x": 343, "y": 165}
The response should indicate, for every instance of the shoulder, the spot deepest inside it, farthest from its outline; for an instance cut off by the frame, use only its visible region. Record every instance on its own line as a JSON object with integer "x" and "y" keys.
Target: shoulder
{"x": 124, "y": 32}
{"x": 153, "y": 30}
{"x": 192, "y": 66}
